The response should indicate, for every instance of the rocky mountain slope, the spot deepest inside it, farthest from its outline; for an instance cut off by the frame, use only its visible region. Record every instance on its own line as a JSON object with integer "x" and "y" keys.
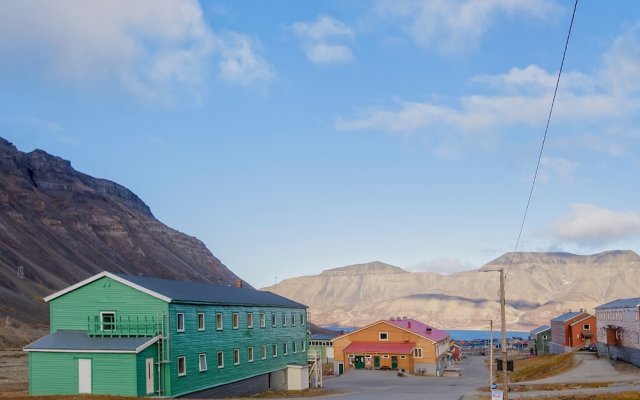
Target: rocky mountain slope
{"x": 59, "y": 226}
{"x": 539, "y": 286}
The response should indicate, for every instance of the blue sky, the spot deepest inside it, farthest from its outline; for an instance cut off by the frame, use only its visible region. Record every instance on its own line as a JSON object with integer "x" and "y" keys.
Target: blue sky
{"x": 292, "y": 137}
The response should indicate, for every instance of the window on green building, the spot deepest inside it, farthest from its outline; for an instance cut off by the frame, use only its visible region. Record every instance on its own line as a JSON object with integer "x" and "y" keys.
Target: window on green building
{"x": 107, "y": 321}
{"x": 295, "y": 347}
{"x": 273, "y": 319}
{"x": 236, "y": 320}
{"x": 200, "y": 321}
{"x": 274, "y": 350}
{"x": 221, "y": 359}
{"x": 202, "y": 362}
{"x": 236, "y": 356}
{"x": 263, "y": 351}
{"x": 284, "y": 319}
{"x": 263, "y": 322}
{"x": 304, "y": 346}
{"x": 250, "y": 354}
{"x": 284, "y": 349}
{"x": 219, "y": 323}
{"x": 301, "y": 319}
{"x": 182, "y": 366}
{"x": 250, "y": 320}
{"x": 293, "y": 319}
{"x": 180, "y": 322}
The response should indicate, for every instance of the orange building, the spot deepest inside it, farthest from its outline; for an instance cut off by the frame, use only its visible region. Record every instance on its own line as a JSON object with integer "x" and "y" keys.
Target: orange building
{"x": 403, "y": 344}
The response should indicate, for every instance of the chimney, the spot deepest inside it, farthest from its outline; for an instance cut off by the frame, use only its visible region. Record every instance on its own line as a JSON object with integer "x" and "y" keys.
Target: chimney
{"x": 391, "y": 319}
{"x": 409, "y": 324}
{"x": 428, "y": 329}
{"x": 404, "y": 317}
{"x": 239, "y": 283}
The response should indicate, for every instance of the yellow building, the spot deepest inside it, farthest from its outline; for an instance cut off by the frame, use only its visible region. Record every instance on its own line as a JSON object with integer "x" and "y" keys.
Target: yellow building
{"x": 397, "y": 343}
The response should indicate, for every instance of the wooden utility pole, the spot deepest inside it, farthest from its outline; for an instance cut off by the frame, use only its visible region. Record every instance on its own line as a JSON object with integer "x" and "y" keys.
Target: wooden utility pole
{"x": 503, "y": 323}
{"x": 503, "y": 318}
{"x": 490, "y": 355}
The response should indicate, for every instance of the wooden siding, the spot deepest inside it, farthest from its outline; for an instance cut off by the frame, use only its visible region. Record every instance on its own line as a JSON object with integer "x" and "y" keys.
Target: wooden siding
{"x": 395, "y": 335}
{"x": 72, "y": 310}
{"x": 57, "y": 373}
{"x": 210, "y": 341}
{"x": 141, "y": 369}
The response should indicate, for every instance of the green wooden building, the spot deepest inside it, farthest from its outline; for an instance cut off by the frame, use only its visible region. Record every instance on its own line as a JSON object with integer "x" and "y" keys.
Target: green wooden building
{"x": 539, "y": 339}
{"x": 139, "y": 336}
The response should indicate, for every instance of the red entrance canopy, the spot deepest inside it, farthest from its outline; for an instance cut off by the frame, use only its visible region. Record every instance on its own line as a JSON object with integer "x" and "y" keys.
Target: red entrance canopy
{"x": 378, "y": 347}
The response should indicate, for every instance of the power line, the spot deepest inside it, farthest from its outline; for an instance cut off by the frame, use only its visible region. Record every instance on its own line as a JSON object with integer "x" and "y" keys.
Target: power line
{"x": 544, "y": 140}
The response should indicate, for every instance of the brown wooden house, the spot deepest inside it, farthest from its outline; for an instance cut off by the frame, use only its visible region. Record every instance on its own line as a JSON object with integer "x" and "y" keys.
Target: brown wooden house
{"x": 397, "y": 343}
{"x": 571, "y": 331}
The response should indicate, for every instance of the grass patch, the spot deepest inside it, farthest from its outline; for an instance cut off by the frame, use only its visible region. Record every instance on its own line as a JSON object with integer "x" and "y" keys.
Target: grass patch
{"x": 531, "y": 369}
{"x": 604, "y": 396}
{"x": 631, "y": 395}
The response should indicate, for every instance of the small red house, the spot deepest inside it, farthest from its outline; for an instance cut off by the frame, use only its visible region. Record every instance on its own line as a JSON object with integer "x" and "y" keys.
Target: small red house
{"x": 571, "y": 331}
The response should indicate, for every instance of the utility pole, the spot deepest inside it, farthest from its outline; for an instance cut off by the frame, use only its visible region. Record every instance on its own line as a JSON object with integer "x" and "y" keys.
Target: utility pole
{"x": 503, "y": 326}
{"x": 490, "y": 355}
{"x": 505, "y": 377}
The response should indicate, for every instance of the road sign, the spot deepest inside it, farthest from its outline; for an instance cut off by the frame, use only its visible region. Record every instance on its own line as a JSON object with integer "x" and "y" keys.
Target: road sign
{"x": 496, "y": 394}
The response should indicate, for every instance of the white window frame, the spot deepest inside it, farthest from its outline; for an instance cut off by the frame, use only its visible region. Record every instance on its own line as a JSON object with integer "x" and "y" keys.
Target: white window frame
{"x": 284, "y": 319}
{"x": 263, "y": 320}
{"x": 301, "y": 319}
{"x": 285, "y": 348}
{"x": 304, "y": 346}
{"x": 294, "y": 346}
{"x": 274, "y": 319}
{"x": 201, "y": 318}
{"x": 202, "y": 362}
{"x": 385, "y": 356}
{"x": 184, "y": 366}
{"x": 236, "y": 356}
{"x": 586, "y": 327}
{"x": 293, "y": 319}
{"x": 250, "y": 320}
{"x": 274, "y": 350}
{"x": 235, "y": 320}
{"x": 220, "y": 359}
{"x": 403, "y": 357}
{"x": 263, "y": 352}
{"x": 386, "y": 336}
{"x": 219, "y": 321}
{"x": 179, "y": 317}
{"x": 102, "y": 323}
{"x": 417, "y": 352}
{"x": 250, "y": 354}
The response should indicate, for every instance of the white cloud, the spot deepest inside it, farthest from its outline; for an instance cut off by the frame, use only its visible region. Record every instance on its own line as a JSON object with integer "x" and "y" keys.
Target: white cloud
{"x": 147, "y": 47}
{"x": 521, "y": 98}
{"x": 322, "y": 39}
{"x": 590, "y": 225}
{"x": 241, "y": 62}
{"x": 454, "y": 25}
{"x": 557, "y": 168}
{"x": 441, "y": 265}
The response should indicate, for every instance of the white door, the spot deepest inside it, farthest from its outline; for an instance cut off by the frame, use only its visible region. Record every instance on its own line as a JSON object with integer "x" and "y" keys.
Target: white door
{"x": 149, "y": 375}
{"x": 84, "y": 375}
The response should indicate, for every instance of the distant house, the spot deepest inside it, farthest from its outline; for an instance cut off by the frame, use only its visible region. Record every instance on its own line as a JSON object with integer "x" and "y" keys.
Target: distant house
{"x": 138, "y": 336}
{"x": 539, "y": 339}
{"x": 322, "y": 345}
{"x": 397, "y": 343}
{"x": 619, "y": 329}
{"x": 571, "y": 331}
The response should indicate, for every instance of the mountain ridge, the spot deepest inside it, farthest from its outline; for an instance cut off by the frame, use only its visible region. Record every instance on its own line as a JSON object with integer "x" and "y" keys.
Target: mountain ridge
{"x": 539, "y": 287}
{"x": 59, "y": 226}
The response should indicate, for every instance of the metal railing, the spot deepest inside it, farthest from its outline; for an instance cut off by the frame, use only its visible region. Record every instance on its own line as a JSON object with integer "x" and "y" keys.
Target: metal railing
{"x": 139, "y": 325}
